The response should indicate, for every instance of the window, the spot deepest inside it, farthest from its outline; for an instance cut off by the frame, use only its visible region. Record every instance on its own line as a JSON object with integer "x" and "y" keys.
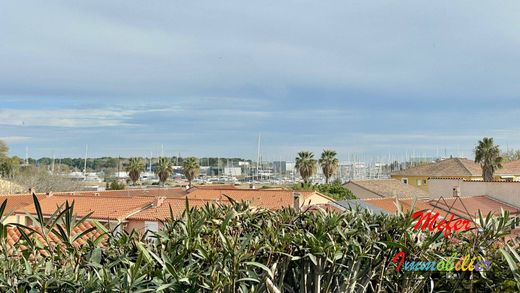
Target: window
{"x": 419, "y": 182}
{"x": 404, "y": 180}
{"x": 425, "y": 181}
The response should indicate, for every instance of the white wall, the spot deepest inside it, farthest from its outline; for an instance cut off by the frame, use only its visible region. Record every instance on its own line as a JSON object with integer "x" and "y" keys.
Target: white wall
{"x": 508, "y": 192}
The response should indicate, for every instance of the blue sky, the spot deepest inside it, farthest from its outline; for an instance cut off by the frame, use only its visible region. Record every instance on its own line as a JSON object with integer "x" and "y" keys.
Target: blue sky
{"x": 372, "y": 78}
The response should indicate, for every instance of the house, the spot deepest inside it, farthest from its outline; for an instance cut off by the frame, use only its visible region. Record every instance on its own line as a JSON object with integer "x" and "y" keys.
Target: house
{"x": 13, "y": 235}
{"x": 151, "y": 219}
{"x": 462, "y": 207}
{"x": 449, "y": 168}
{"x": 378, "y": 188}
{"x": 387, "y": 205}
{"x": 111, "y": 211}
{"x": 263, "y": 198}
{"x": 510, "y": 171}
{"x": 13, "y": 203}
{"x": 145, "y": 209}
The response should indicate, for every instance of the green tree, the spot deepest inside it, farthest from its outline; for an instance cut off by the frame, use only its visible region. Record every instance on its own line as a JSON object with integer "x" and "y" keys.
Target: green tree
{"x": 510, "y": 155}
{"x": 116, "y": 185}
{"x": 3, "y": 149}
{"x": 487, "y": 154}
{"x": 329, "y": 164}
{"x": 191, "y": 169}
{"x": 306, "y": 165}
{"x": 134, "y": 168}
{"x": 163, "y": 169}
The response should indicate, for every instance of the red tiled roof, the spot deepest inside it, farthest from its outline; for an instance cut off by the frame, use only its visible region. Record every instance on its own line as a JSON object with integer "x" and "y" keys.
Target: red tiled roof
{"x": 455, "y": 167}
{"x": 472, "y": 204}
{"x": 389, "y": 204}
{"x": 15, "y": 202}
{"x": 269, "y": 199}
{"x": 389, "y": 188}
{"x": 214, "y": 187}
{"x": 141, "y": 192}
{"x": 103, "y": 207}
{"x": 13, "y": 235}
{"x": 509, "y": 168}
{"x": 178, "y": 206}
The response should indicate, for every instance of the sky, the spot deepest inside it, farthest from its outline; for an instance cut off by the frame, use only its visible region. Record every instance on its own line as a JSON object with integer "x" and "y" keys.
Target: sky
{"x": 371, "y": 79}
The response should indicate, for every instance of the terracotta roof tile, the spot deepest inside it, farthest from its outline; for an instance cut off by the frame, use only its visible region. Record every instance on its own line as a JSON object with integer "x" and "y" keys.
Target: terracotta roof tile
{"x": 141, "y": 192}
{"x": 389, "y": 188}
{"x": 213, "y": 187}
{"x": 472, "y": 204}
{"x": 389, "y": 204}
{"x": 15, "y": 202}
{"x": 509, "y": 168}
{"x": 103, "y": 207}
{"x": 178, "y": 206}
{"x": 13, "y": 235}
{"x": 455, "y": 167}
{"x": 269, "y": 199}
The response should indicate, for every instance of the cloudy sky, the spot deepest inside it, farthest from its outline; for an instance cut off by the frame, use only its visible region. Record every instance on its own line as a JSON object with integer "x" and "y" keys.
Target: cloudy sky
{"x": 373, "y": 78}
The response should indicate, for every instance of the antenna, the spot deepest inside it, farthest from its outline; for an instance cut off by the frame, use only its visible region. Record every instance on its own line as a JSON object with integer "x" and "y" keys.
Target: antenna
{"x": 53, "y": 159}
{"x": 85, "y": 169}
{"x": 258, "y": 155}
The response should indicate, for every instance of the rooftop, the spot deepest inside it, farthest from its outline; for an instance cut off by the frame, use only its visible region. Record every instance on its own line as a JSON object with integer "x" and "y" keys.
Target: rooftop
{"x": 455, "y": 167}
{"x": 509, "y": 168}
{"x": 471, "y": 203}
{"x": 265, "y": 198}
{"x": 178, "y": 206}
{"x": 13, "y": 235}
{"x": 15, "y": 202}
{"x": 102, "y": 207}
{"x": 389, "y": 188}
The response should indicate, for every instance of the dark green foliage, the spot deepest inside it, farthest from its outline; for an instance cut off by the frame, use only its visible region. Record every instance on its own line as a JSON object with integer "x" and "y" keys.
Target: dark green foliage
{"x": 334, "y": 190}
{"x": 235, "y": 248}
{"x": 116, "y": 185}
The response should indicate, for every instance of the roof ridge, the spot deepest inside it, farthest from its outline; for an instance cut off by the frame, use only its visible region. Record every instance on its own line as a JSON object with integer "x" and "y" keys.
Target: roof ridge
{"x": 381, "y": 195}
{"x": 458, "y": 160}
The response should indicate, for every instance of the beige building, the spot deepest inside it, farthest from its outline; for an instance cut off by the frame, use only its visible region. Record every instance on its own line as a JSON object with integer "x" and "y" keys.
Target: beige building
{"x": 453, "y": 168}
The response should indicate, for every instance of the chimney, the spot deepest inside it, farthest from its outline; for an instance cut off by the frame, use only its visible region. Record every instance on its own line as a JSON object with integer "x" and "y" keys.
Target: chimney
{"x": 32, "y": 190}
{"x": 297, "y": 201}
{"x": 49, "y": 194}
{"x": 251, "y": 186}
{"x": 158, "y": 201}
{"x": 456, "y": 191}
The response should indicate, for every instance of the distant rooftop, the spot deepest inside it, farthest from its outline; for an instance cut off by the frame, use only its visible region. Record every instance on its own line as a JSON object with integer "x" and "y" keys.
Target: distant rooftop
{"x": 454, "y": 167}
{"x": 389, "y": 188}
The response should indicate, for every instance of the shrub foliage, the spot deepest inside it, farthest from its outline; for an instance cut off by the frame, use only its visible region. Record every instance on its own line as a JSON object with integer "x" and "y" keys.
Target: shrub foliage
{"x": 234, "y": 248}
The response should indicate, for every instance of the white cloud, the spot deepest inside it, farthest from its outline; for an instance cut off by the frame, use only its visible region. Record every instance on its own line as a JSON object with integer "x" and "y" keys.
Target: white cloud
{"x": 11, "y": 139}
{"x": 70, "y": 118}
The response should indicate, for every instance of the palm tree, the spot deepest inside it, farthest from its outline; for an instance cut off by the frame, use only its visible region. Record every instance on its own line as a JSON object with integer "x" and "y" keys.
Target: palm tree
{"x": 191, "y": 169}
{"x": 329, "y": 164}
{"x": 487, "y": 154}
{"x": 306, "y": 165}
{"x": 163, "y": 169}
{"x": 134, "y": 168}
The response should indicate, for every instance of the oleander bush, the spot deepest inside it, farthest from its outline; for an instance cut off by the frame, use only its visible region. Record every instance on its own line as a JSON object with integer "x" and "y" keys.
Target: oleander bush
{"x": 234, "y": 248}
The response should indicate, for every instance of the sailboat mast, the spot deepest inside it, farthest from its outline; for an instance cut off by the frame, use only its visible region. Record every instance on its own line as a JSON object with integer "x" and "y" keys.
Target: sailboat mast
{"x": 258, "y": 156}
